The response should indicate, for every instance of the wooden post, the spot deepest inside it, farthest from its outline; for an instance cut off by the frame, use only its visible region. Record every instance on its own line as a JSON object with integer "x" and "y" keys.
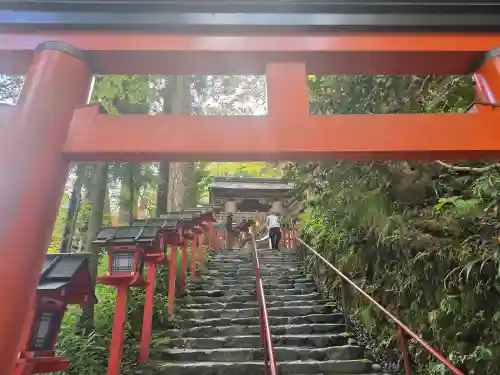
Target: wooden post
{"x": 147, "y": 321}
{"x": 200, "y": 251}
{"x": 183, "y": 271}
{"x": 194, "y": 243}
{"x": 118, "y": 335}
{"x": 172, "y": 271}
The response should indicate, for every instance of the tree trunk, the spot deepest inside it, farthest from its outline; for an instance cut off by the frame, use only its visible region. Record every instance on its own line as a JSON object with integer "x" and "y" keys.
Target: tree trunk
{"x": 162, "y": 191}
{"x": 106, "y": 219}
{"x": 189, "y": 181}
{"x": 73, "y": 207}
{"x": 97, "y": 197}
{"x": 123, "y": 208}
{"x": 181, "y": 104}
{"x": 128, "y": 198}
{"x": 132, "y": 205}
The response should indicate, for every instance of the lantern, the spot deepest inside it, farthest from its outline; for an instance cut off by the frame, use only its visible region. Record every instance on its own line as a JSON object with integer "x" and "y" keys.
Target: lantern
{"x": 127, "y": 248}
{"x": 65, "y": 279}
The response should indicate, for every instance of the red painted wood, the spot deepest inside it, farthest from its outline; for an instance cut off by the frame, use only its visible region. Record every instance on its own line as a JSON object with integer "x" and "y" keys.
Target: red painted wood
{"x": 194, "y": 244}
{"x": 183, "y": 271}
{"x": 118, "y": 335}
{"x": 350, "y": 137}
{"x": 488, "y": 84}
{"x": 201, "y": 238}
{"x": 147, "y": 321}
{"x": 172, "y": 273}
{"x": 32, "y": 162}
{"x": 265, "y": 328}
{"x": 27, "y": 328}
{"x": 210, "y": 234}
{"x": 323, "y": 53}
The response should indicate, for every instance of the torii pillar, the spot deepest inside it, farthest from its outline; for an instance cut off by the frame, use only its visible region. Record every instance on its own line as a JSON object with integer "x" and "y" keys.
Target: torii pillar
{"x": 33, "y": 173}
{"x": 488, "y": 80}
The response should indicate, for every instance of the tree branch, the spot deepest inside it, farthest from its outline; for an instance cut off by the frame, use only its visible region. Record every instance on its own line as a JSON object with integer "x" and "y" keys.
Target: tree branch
{"x": 468, "y": 169}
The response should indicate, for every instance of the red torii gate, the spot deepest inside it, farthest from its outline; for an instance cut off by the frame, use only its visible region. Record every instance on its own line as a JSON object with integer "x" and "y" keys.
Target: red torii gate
{"x": 51, "y": 126}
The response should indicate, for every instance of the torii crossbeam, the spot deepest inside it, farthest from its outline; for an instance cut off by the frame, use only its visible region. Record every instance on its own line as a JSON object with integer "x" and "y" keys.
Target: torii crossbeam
{"x": 59, "y": 48}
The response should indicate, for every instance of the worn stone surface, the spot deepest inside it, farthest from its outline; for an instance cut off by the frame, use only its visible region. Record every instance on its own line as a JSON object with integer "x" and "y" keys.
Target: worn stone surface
{"x": 219, "y": 333}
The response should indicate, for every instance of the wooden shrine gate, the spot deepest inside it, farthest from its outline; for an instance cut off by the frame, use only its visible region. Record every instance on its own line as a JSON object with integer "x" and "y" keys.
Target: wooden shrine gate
{"x": 60, "y": 46}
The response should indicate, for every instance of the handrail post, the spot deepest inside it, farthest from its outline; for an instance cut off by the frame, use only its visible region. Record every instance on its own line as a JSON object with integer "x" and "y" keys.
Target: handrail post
{"x": 346, "y": 294}
{"x": 318, "y": 281}
{"x": 403, "y": 340}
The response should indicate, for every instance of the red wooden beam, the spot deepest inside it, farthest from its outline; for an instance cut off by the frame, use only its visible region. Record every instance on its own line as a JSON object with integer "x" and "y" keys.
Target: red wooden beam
{"x": 6, "y": 112}
{"x": 334, "y": 53}
{"x": 95, "y": 136}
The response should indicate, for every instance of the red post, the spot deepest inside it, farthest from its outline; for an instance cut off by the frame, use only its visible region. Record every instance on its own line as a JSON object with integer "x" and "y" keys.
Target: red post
{"x": 201, "y": 240}
{"x": 403, "y": 341}
{"x": 171, "y": 279}
{"x": 147, "y": 321}
{"x": 23, "y": 342}
{"x": 210, "y": 232}
{"x": 31, "y": 161}
{"x": 488, "y": 80}
{"x": 182, "y": 281}
{"x": 194, "y": 243}
{"x": 118, "y": 335}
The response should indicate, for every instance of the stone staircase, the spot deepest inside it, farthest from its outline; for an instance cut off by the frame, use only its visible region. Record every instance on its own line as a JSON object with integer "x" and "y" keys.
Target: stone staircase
{"x": 219, "y": 332}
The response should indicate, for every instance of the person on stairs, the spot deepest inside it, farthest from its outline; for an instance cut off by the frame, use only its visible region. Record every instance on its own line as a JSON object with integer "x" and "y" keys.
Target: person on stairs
{"x": 274, "y": 227}
{"x": 229, "y": 231}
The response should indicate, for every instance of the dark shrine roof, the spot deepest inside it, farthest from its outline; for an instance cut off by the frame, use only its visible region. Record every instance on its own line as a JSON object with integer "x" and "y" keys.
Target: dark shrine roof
{"x": 356, "y": 15}
{"x": 139, "y": 232}
{"x": 250, "y": 183}
{"x": 60, "y": 269}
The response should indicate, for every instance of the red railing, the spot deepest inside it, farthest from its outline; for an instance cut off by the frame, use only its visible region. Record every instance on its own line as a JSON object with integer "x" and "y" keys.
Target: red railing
{"x": 265, "y": 330}
{"x": 404, "y": 331}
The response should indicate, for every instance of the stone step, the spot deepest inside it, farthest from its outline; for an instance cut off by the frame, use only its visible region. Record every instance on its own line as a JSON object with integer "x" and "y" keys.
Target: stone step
{"x": 203, "y": 284}
{"x": 292, "y": 329}
{"x": 264, "y": 273}
{"x": 251, "y": 279}
{"x": 273, "y": 289}
{"x": 254, "y": 311}
{"x": 344, "y": 352}
{"x": 273, "y": 320}
{"x": 292, "y": 291}
{"x": 253, "y": 341}
{"x": 240, "y": 291}
{"x": 250, "y": 266}
{"x": 332, "y": 367}
{"x": 221, "y": 297}
{"x": 255, "y": 303}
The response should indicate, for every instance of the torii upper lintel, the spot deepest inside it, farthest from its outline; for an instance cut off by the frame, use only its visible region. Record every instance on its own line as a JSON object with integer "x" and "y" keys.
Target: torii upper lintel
{"x": 224, "y": 15}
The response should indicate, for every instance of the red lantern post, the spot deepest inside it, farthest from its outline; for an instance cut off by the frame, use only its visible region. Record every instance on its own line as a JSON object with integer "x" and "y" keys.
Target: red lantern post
{"x": 65, "y": 279}
{"x": 127, "y": 248}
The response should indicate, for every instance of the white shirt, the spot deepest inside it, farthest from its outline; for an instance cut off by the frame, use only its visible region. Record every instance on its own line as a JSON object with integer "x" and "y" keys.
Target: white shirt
{"x": 272, "y": 221}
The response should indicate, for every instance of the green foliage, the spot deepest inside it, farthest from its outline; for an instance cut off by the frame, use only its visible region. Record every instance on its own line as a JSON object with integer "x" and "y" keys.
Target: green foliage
{"x": 116, "y": 92}
{"x": 420, "y": 238}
